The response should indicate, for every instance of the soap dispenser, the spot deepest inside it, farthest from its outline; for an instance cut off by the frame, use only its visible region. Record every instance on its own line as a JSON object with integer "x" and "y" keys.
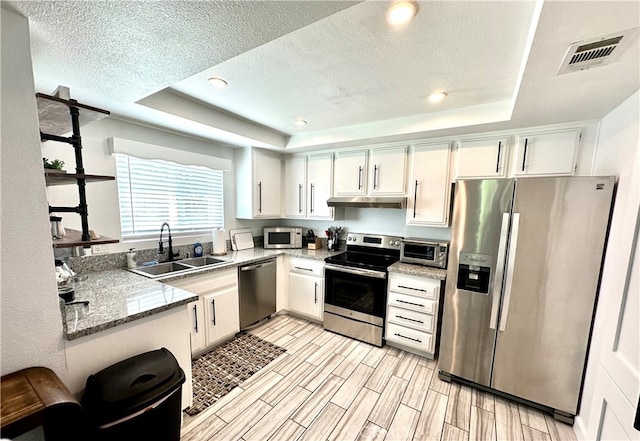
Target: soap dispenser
{"x": 131, "y": 258}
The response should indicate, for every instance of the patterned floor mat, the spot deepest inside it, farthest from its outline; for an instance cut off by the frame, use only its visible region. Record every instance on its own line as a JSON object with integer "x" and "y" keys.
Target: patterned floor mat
{"x": 217, "y": 372}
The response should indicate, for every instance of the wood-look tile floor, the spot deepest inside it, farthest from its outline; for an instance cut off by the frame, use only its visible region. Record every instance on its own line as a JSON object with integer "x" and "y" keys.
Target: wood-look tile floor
{"x": 329, "y": 387}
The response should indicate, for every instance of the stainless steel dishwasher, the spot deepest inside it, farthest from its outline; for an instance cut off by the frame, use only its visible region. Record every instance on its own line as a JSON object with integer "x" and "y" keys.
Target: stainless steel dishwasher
{"x": 257, "y": 286}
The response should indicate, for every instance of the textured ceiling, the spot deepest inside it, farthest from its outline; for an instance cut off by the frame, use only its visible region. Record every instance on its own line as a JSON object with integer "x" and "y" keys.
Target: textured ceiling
{"x": 336, "y": 64}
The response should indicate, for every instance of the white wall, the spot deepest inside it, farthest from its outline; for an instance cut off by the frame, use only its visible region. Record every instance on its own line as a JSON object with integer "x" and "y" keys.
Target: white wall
{"x": 31, "y": 324}
{"x": 617, "y": 154}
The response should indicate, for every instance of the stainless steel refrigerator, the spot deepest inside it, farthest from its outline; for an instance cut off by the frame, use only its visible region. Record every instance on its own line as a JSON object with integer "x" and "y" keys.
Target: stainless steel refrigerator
{"x": 523, "y": 274}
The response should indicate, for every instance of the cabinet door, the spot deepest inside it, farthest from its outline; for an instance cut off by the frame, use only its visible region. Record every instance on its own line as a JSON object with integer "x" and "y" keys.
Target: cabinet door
{"x": 388, "y": 170}
{"x": 430, "y": 189}
{"x": 197, "y": 326}
{"x": 550, "y": 153}
{"x": 350, "y": 176}
{"x": 294, "y": 187}
{"x": 484, "y": 158}
{"x": 306, "y": 295}
{"x": 266, "y": 172}
{"x": 319, "y": 182}
{"x": 221, "y": 314}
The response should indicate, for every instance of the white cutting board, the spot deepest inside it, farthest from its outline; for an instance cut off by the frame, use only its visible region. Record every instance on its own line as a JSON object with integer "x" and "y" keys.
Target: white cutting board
{"x": 245, "y": 237}
{"x": 244, "y": 241}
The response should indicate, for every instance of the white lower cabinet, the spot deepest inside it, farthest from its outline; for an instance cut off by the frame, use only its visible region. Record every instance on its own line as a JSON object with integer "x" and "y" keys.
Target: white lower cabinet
{"x": 412, "y": 313}
{"x": 215, "y": 317}
{"x": 306, "y": 288}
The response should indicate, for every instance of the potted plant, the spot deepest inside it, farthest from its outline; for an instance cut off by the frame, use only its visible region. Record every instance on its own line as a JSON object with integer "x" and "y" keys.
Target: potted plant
{"x": 56, "y": 164}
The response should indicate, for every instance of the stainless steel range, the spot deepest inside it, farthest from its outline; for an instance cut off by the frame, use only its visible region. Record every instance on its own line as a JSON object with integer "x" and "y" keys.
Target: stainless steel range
{"x": 355, "y": 293}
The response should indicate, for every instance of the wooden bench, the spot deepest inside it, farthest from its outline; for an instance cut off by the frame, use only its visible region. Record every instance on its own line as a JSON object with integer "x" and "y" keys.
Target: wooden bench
{"x": 35, "y": 397}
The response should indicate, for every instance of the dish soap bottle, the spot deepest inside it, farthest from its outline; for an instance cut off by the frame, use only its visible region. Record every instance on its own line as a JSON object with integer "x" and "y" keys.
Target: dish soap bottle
{"x": 197, "y": 249}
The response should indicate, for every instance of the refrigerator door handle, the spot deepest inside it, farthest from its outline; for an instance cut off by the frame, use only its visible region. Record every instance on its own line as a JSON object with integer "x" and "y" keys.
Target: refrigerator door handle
{"x": 497, "y": 280}
{"x": 510, "y": 267}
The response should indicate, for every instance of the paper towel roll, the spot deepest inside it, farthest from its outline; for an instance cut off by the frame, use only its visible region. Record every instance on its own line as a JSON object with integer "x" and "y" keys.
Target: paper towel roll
{"x": 219, "y": 240}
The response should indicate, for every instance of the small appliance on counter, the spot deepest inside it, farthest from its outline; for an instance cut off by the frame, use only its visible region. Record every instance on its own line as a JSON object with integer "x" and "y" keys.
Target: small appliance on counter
{"x": 66, "y": 284}
{"x": 424, "y": 252}
{"x": 282, "y": 237}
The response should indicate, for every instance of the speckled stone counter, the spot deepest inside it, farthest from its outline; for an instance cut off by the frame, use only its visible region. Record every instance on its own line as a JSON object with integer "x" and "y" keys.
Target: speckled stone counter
{"x": 418, "y": 270}
{"x": 116, "y": 297}
{"x": 120, "y": 296}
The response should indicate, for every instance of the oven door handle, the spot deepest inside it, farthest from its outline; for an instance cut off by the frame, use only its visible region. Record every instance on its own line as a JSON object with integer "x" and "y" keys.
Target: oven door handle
{"x": 357, "y": 271}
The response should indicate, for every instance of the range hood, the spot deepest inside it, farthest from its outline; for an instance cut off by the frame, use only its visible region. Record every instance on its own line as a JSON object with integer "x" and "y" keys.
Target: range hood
{"x": 368, "y": 202}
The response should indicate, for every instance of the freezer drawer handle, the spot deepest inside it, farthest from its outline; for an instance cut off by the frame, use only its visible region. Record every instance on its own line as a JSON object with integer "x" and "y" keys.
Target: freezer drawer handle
{"x": 410, "y": 319}
{"x": 408, "y": 338}
{"x": 510, "y": 268}
{"x": 497, "y": 280}
{"x": 195, "y": 315}
{"x": 409, "y": 287}
{"x": 410, "y": 303}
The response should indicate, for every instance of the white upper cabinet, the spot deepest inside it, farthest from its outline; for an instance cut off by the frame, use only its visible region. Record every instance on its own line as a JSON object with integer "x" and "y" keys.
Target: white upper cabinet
{"x": 295, "y": 181}
{"x": 307, "y": 186}
{"x": 546, "y": 153}
{"x": 430, "y": 185}
{"x": 258, "y": 184}
{"x": 388, "y": 170}
{"x": 481, "y": 158}
{"x": 319, "y": 182}
{"x": 350, "y": 177}
{"x": 378, "y": 171}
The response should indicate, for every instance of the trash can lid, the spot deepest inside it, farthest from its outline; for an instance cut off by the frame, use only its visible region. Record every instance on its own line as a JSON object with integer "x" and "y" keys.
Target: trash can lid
{"x": 132, "y": 384}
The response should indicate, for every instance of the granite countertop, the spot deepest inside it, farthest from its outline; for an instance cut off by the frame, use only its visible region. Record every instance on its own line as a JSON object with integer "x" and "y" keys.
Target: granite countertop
{"x": 116, "y": 297}
{"x": 418, "y": 270}
{"x": 119, "y": 296}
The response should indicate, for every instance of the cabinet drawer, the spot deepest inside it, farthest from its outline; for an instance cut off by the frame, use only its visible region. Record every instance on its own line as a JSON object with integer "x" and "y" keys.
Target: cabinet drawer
{"x": 412, "y": 319}
{"x": 413, "y": 303}
{"x": 419, "y": 340}
{"x": 415, "y": 286}
{"x": 306, "y": 266}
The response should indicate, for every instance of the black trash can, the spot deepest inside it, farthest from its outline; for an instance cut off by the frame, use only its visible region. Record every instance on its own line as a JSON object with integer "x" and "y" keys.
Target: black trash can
{"x": 137, "y": 398}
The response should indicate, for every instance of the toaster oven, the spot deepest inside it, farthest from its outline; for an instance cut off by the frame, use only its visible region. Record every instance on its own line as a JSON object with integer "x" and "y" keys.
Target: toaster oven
{"x": 424, "y": 252}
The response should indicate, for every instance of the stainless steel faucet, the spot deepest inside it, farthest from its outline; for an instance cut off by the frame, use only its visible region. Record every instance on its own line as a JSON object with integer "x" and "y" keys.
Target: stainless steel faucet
{"x": 171, "y": 255}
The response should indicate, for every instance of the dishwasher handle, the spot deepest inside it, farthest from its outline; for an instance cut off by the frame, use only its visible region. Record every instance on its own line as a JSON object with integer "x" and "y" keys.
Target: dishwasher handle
{"x": 258, "y": 265}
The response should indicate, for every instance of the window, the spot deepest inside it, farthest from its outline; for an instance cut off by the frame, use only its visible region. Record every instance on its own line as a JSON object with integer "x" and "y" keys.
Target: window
{"x": 151, "y": 192}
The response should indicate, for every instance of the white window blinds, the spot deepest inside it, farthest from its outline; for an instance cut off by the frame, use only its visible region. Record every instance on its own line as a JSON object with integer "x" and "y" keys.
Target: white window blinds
{"x": 151, "y": 192}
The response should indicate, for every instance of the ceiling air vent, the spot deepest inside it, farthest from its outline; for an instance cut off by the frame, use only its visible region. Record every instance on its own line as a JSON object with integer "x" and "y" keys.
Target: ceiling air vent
{"x": 596, "y": 51}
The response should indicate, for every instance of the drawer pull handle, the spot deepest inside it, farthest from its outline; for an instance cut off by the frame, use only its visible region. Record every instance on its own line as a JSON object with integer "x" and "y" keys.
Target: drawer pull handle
{"x": 408, "y": 338}
{"x": 410, "y": 319}
{"x": 414, "y": 289}
{"x": 304, "y": 269}
{"x": 410, "y": 303}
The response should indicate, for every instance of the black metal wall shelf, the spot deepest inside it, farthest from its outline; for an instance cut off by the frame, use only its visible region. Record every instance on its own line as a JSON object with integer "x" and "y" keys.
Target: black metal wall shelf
{"x": 58, "y": 117}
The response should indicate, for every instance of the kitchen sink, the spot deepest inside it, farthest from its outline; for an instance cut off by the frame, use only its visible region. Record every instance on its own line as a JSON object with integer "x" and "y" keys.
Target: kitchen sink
{"x": 202, "y": 261}
{"x": 167, "y": 268}
{"x": 160, "y": 269}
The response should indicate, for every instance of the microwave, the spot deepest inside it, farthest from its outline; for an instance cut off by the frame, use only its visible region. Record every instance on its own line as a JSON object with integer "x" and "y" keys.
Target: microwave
{"x": 424, "y": 252}
{"x": 282, "y": 237}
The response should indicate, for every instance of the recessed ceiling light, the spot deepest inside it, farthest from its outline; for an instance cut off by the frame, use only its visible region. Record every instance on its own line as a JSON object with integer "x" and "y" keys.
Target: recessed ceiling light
{"x": 301, "y": 122}
{"x": 218, "y": 83}
{"x": 436, "y": 97}
{"x": 401, "y": 12}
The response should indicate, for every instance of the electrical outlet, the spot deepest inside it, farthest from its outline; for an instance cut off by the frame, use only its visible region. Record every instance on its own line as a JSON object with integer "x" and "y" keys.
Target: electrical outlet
{"x": 98, "y": 249}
